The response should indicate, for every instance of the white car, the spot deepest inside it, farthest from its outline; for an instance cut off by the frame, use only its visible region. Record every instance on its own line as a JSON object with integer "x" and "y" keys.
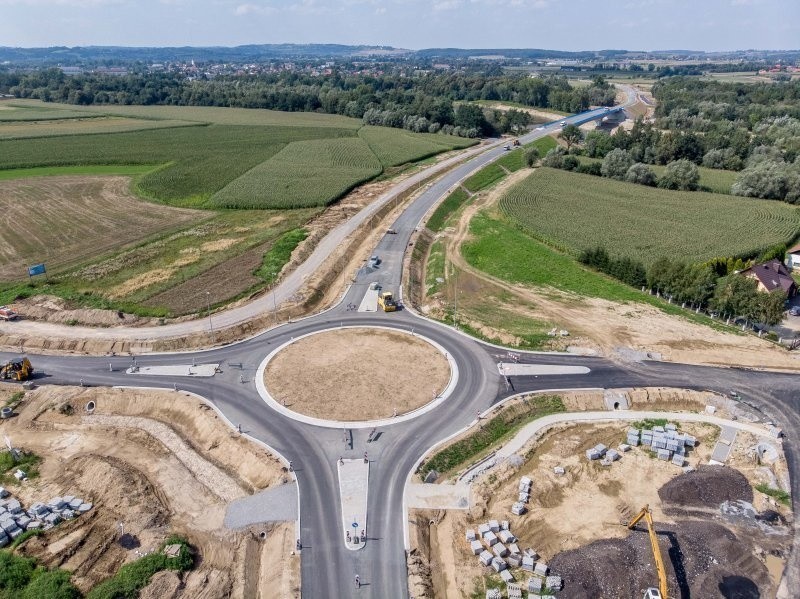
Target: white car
{"x": 540, "y": 128}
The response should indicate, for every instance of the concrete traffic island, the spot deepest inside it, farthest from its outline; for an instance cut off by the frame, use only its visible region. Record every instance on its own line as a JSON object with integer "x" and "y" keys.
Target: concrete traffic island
{"x": 356, "y": 374}
{"x": 198, "y": 370}
{"x": 353, "y": 486}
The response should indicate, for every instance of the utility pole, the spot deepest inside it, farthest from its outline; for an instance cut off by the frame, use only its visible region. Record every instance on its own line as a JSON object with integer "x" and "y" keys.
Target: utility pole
{"x": 455, "y": 301}
{"x": 208, "y": 307}
{"x": 274, "y": 303}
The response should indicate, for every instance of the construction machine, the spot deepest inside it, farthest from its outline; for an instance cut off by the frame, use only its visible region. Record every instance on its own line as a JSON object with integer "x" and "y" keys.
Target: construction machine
{"x": 516, "y": 143}
{"x": 661, "y": 591}
{"x": 386, "y": 302}
{"x": 16, "y": 370}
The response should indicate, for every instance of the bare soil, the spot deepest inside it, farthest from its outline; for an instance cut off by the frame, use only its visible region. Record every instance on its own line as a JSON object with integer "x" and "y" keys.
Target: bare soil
{"x": 577, "y": 521}
{"x": 157, "y": 462}
{"x": 357, "y": 374}
{"x": 594, "y": 324}
{"x": 62, "y": 220}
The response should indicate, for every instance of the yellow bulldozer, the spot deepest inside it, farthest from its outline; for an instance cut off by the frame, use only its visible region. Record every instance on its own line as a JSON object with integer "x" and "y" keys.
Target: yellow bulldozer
{"x": 16, "y": 370}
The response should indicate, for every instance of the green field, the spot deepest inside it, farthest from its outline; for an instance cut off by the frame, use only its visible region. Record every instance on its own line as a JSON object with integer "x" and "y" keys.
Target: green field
{"x": 394, "y": 147}
{"x": 260, "y": 175}
{"x": 573, "y": 212}
{"x": 223, "y": 147}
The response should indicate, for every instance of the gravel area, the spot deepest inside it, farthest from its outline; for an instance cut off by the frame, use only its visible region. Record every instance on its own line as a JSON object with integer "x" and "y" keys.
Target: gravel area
{"x": 212, "y": 477}
{"x": 271, "y": 505}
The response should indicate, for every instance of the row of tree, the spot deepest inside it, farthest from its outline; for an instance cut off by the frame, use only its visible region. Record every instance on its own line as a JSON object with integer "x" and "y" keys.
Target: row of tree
{"x": 698, "y": 286}
{"x": 770, "y": 170}
{"x": 396, "y": 98}
{"x": 618, "y": 164}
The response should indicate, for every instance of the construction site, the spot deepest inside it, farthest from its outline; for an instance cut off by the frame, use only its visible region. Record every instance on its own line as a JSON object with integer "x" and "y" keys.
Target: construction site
{"x": 566, "y": 514}
{"x": 112, "y": 473}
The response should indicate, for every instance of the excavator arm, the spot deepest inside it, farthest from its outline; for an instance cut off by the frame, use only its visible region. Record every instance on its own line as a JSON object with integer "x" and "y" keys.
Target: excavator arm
{"x": 660, "y": 569}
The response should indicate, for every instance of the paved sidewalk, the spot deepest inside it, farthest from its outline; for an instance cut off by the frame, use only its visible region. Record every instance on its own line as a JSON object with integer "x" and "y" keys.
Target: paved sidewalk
{"x": 519, "y": 440}
{"x": 353, "y": 485}
{"x": 278, "y": 504}
{"x": 370, "y": 301}
{"x": 513, "y": 369}
{"x": 443, "y": 497}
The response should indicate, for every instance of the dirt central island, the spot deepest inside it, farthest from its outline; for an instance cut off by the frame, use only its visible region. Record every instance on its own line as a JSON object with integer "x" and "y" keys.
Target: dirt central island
{"x": 357, "y": 374}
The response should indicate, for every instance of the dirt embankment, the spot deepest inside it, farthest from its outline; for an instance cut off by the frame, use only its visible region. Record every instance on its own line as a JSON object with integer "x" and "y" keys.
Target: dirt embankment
{"x": 152, "y": 463}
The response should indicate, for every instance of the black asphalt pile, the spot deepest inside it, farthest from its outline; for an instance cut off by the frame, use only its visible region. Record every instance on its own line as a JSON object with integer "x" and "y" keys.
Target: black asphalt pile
{"x": 703, "y": 559}
{"x": 708, "y": 486}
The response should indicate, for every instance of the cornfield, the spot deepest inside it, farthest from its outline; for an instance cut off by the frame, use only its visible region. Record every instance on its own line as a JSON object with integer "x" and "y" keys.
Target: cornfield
{"x": 574, "y": 212}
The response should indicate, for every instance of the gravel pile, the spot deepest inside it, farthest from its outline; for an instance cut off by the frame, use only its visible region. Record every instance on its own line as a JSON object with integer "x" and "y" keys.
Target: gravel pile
{"x": 708, "y": 486}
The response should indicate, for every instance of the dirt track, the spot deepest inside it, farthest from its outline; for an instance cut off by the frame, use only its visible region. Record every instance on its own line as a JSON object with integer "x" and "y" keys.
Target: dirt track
{"x": 357, "y": 374}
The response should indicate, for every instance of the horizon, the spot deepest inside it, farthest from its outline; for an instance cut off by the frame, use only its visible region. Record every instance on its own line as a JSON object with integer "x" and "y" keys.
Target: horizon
{"x": 570, "y": 26}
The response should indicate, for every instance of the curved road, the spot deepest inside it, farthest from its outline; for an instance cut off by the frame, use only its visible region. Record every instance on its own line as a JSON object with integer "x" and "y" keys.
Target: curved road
{"x": 328, "y": 567}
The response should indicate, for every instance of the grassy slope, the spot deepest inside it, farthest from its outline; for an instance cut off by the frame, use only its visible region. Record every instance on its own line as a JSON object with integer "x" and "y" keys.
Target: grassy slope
{"x": 573, "y": 212}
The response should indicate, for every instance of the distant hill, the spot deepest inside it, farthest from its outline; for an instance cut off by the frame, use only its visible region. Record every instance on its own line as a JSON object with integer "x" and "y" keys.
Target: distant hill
{"x": 80, "y": 55}
{"x": 254, "y": 52}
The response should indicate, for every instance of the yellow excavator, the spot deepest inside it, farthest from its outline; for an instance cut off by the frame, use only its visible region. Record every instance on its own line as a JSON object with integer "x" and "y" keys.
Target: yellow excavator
{"x": 661, "y": 591}
{"x": 16, "y": 370}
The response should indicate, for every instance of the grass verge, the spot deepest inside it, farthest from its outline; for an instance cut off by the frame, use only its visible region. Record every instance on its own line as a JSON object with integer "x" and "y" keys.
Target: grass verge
{"x": 279, "y": 254}
{"x": 27, "y": 462}
{"x": 779, "y": 495}
{"x": 133, "y": 577}
{"x": 446, "y": 209}
{"x": 499, "y": 427}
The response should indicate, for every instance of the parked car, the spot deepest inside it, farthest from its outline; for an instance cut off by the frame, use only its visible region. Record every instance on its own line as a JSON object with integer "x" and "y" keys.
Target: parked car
{"x": 794, "y": 310}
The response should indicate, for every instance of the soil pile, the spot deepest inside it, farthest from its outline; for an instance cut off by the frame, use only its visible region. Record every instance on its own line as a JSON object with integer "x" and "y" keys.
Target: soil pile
{"x": 702, "y": 559}
{"x": 708, "y": 486}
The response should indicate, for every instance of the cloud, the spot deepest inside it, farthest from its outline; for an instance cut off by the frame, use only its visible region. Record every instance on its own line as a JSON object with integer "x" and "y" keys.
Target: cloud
{"x": 253, "y": 9}
{"x": 445, "y": 5}
{"x": 78, "y": 3}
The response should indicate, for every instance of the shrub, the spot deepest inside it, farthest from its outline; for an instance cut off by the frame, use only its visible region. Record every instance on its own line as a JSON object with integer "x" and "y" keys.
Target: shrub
{"x": 531, "y": 156}
{"x": 616, "y": 164}
{"x": 50, "y": 584}
{"x": 570, "y": 163}
{"x": 589, "y": 168}
{"x": 641, "y": 174}
{"x": 554, "y": 158}
{"x": 681, "y": 175}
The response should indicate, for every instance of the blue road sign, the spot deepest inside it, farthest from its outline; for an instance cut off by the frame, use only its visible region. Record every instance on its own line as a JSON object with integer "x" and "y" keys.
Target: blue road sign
{"x": 36, "y": 269}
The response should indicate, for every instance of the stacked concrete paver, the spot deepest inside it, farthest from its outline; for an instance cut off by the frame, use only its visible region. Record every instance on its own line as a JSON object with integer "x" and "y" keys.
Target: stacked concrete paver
{"x": 14, "y": 520}
{"x": 496, "y": 546}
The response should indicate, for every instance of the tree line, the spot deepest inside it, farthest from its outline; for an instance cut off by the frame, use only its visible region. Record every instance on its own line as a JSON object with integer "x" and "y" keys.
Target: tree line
{"x": 715, "y": 286}
{"x": 396, "y": 98}
{"x": 750, "y": 128}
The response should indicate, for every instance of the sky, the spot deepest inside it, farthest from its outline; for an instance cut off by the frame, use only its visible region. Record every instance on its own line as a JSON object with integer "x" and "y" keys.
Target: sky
{"x": 414, "y": 24}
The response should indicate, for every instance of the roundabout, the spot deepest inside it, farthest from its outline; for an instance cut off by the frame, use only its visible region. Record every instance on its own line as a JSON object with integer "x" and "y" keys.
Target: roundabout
{"x": 357, "y": 376}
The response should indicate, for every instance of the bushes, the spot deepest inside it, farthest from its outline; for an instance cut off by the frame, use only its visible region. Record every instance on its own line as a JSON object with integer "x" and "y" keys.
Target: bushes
{"x": 641, "y": 174}
{"x": 616, "y": 164}
{"x": 21, "y": 579}
{"x": 136, "y": 575}
{"x": 626, "y": 270}
{"x": 681, "y": 175}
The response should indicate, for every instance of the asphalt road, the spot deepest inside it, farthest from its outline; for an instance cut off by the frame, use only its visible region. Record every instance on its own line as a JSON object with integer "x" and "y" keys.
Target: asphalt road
{"x": 328, "y": 568}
